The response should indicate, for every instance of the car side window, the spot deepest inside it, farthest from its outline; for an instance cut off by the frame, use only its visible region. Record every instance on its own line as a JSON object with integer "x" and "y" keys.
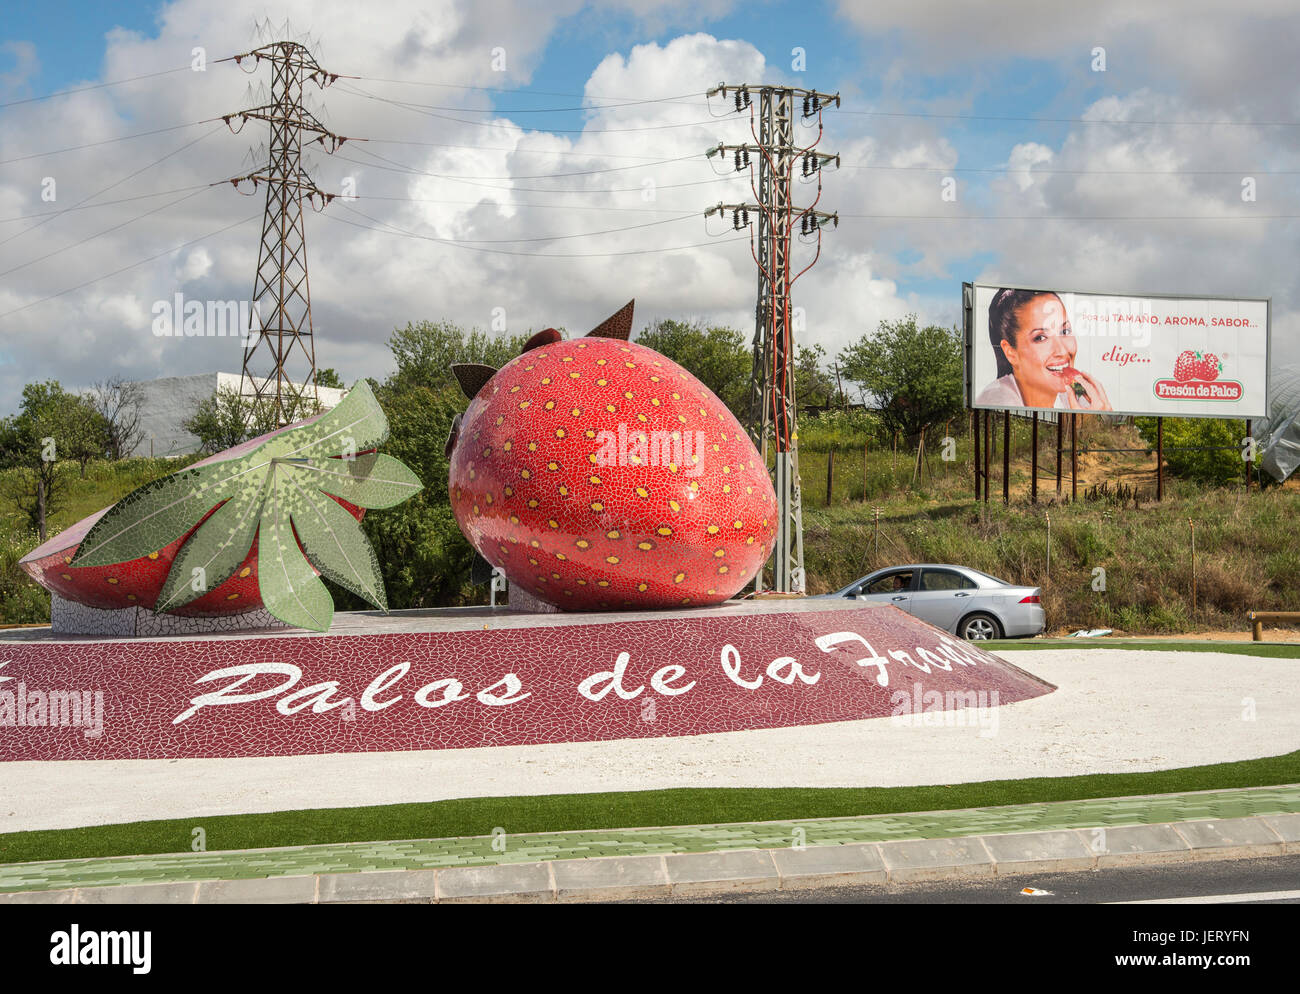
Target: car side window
{"x": 945, "y": 579}
{"x": 890, "y": 583}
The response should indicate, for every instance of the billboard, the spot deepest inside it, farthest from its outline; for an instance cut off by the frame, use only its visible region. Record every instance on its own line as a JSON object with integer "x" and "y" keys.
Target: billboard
{"x": 1063, "y": 350}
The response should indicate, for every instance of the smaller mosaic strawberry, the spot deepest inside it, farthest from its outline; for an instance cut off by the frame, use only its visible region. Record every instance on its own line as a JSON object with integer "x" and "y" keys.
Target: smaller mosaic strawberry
{"x": 274, "y": 514}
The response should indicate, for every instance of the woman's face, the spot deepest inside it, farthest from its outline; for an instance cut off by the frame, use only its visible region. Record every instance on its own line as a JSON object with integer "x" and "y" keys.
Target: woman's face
{"x": 1044, "y": 346}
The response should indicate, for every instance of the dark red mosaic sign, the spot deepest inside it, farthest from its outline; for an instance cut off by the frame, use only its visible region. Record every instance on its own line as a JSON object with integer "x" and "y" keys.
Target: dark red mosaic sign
{"x": 572, "y": 682}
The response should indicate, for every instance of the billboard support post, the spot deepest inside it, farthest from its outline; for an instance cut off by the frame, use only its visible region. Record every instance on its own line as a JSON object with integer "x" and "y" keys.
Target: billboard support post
{"x": 1006, "y": 457}
{"x": 1033, "y": 476}
{"x": 1074, "y": 457}
{"x": 1248, "y": 461}
{"x": 1160, "y": 458}
{"x": 988, "y": 439}
{"x": 1060, "y": 429}
{"x": 975, "y": 448}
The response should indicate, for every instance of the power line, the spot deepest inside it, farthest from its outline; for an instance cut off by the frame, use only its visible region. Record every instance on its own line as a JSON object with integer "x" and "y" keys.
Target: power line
{"x": 555, "y": 207}
{"x": 392, "y": 229}
{"x": 140, "y": 262}
{"x": 104, "y": 203}
{"x": 512, "y": 151}
{"x": 118, "y": 182}
{"x": 680, "y": 98}
{"x": 106, "y": 231}
{"x": 1075, "y": 217}
{"x": 1010, "y": 170}
{"x": 106, "y": 141}
{"x": 512, "y": 178}
{"x": 420, "y": 109}
{"x": 399, "y": 167}
{"x": 1072, "y": 120}
{"x": 95, "y": 86}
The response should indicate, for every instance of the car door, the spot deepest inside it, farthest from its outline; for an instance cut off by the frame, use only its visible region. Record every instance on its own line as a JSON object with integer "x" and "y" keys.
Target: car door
{"x": 890, "y": 587}
{"x": 942, "y": 597}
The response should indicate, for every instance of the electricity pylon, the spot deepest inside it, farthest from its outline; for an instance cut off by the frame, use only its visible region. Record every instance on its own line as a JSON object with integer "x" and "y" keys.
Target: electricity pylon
{"x": 279, "y": 374}
{"x": 772, "y": 413}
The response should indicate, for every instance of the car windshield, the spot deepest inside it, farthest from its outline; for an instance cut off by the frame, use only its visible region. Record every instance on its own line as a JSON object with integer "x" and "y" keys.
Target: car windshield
{"x": 988, "y": 577}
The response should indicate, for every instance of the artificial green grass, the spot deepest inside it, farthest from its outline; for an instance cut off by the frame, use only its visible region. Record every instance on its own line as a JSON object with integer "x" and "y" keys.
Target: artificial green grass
{"x": 1277, "y": 650}
{"x": 625, "y": 809}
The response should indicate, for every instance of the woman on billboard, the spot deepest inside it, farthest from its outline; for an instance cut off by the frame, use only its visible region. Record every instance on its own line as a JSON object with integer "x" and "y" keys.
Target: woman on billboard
{"x": 1035, "y": 349}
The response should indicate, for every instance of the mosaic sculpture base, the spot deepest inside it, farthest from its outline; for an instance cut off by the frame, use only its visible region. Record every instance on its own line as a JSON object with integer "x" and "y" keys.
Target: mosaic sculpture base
{"x": 469, "y": 677}
{"x": 70, "y": 618}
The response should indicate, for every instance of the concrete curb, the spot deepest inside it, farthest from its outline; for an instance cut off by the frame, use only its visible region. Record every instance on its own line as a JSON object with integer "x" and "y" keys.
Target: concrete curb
{"x": 622, "y": 878}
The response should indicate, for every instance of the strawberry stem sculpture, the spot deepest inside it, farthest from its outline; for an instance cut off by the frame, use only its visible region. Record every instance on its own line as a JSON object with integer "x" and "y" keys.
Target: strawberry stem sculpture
{"x": 287, "y": 494}
{"x": 598, "y": 475}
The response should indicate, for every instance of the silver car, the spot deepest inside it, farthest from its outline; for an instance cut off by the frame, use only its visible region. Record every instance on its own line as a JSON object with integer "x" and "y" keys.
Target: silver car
{"x": 960, "y": 600}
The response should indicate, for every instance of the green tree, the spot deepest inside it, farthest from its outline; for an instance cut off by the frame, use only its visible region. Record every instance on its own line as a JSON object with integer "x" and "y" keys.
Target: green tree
{"x": 51, "y": 425}
{"x": 424, "y": 558}
{"x": 716, "y": 355}
{"x": 424, "y": 352}
{"x": 814, "y": 386}
{"x": 327, "y": 377}
{"x": 1206, "y": 450}
{"x": 226, "y": 418}
{"x": 913, "y": 374}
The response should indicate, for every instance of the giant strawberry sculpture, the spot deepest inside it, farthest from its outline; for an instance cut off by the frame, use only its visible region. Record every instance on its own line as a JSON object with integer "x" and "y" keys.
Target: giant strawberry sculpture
{"x": 599, "y": 474}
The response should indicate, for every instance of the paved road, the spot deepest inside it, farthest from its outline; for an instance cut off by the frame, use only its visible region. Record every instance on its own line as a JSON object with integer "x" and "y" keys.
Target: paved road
{"x": 1274, "y": 880}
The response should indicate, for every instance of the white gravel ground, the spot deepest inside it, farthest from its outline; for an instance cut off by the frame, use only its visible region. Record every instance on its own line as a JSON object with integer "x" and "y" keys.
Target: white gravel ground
{"x": 1115, "y": 711}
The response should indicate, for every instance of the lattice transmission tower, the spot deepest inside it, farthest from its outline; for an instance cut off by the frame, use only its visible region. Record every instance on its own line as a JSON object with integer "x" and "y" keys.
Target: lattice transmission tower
{"x": 780, "y": 164}
{"x": 279, "y": 373}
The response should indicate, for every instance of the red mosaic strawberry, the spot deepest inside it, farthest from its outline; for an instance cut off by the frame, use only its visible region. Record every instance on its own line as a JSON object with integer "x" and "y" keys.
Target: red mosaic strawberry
{"x": 1186, "y": 366}
{"x": 137, "y": 583}
{"x": 1209, "y": 367}
{"x": 599, "y": 474}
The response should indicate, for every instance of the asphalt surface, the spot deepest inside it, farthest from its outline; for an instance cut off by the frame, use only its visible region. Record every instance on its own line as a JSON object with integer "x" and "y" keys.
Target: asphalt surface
{"x": 1267, "y": 880}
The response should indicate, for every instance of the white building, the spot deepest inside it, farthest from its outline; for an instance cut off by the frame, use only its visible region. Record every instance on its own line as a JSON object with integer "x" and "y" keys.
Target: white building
{"x": 168, "y": 402}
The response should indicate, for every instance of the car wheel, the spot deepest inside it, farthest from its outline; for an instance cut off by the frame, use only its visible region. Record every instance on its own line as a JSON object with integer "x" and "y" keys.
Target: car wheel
{"x": 979, "y": 627}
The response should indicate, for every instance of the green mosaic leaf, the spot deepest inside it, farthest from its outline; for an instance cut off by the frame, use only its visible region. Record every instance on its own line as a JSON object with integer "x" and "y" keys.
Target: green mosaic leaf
{"x": 332, "y": 539}
{"x": 158, "y": 513}
{"x": 356, "y": 424}
{"x": 372, "y": 480}
{"x": 217, "y": 548}
{"x": 289, "y": 588}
